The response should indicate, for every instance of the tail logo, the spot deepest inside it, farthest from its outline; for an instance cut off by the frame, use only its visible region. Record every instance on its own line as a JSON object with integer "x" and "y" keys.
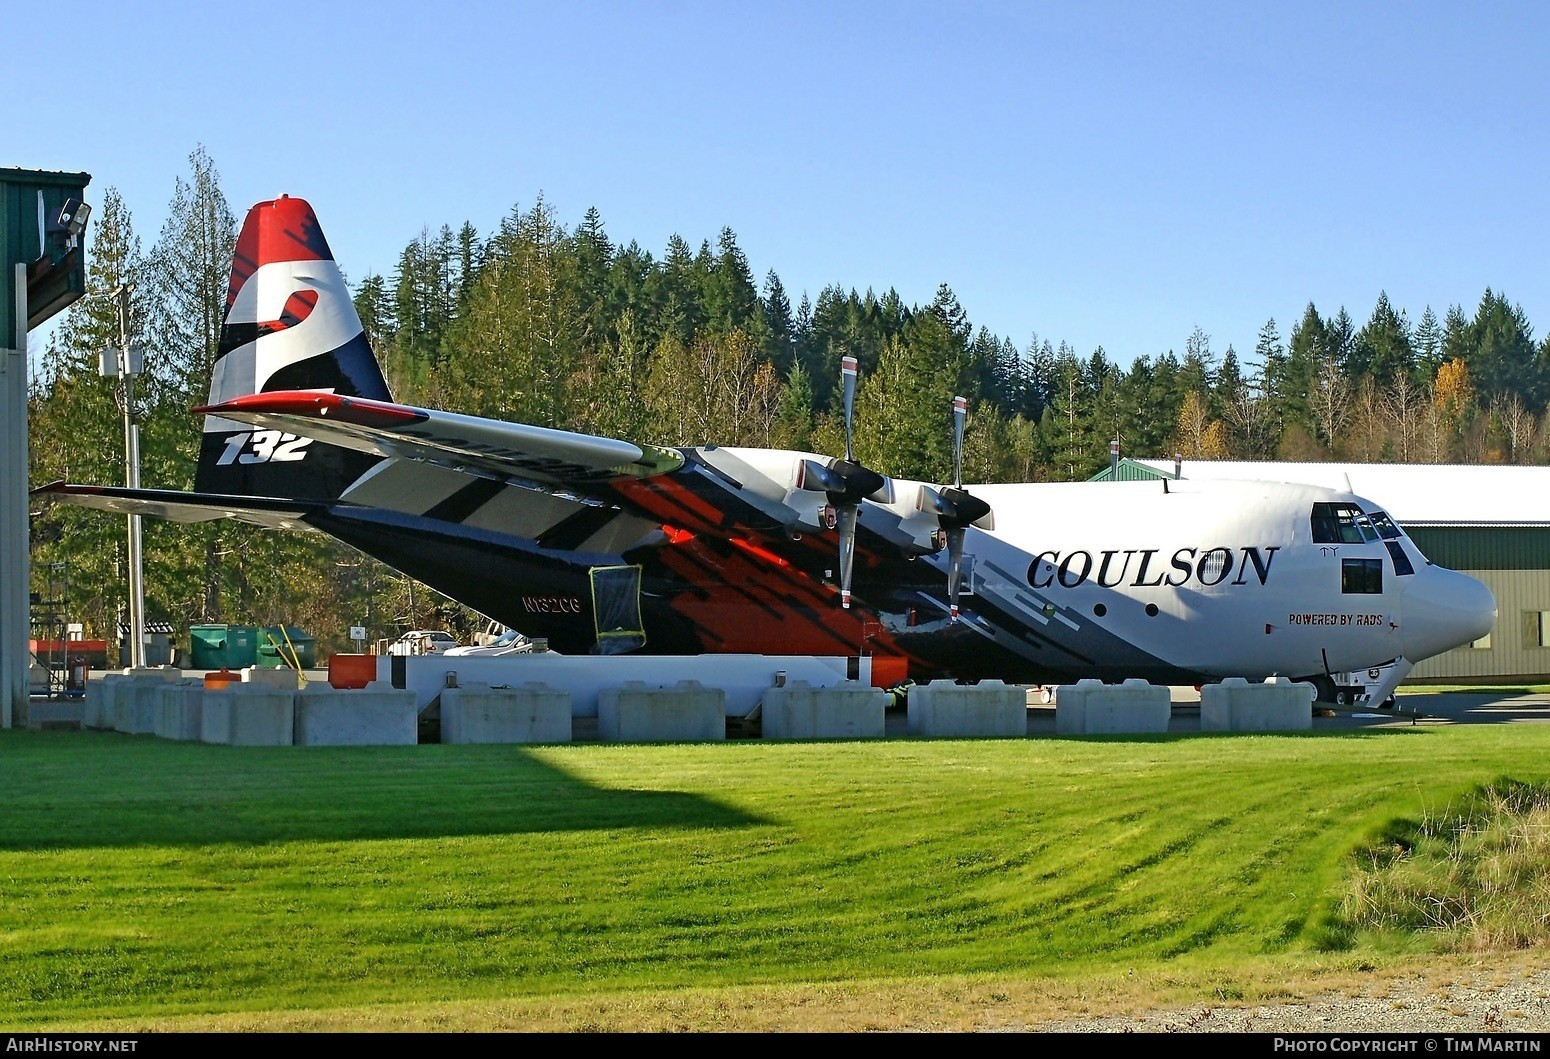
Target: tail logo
{"x": 286, "y": 313}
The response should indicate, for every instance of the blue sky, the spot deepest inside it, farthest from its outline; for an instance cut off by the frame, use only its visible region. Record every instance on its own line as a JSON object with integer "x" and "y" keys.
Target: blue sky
{"x": 1110, "y": 174}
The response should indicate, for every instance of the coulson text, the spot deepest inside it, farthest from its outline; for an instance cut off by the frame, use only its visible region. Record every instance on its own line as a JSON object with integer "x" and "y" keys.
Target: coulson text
{"x": 1142, "y": 568}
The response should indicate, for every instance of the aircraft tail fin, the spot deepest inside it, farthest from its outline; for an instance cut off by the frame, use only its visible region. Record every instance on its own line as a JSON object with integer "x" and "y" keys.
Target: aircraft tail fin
{"x": 290, "y": 325}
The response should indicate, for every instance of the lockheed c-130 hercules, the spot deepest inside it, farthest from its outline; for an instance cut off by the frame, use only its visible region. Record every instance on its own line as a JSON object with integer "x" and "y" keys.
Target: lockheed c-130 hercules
{"x": 608, "y": 546}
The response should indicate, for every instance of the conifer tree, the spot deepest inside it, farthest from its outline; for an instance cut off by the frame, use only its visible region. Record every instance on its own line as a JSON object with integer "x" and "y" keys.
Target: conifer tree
{"x": 1427, "y": 343}
{"x": 1382, "y": 348}
{"x": 630, "y": 283}
{"x": 375, "y": 310}
{"x": 730, "y": 300}
{"x": 1067, "y": 421}
{"x": 518, "y": 345}
{"x": 75, "y": 430}
{"x": 594, "y": 267}
{"x": 793, "y": 428}
{"x": 1306, "y": 350}
{"x": 425, "y": 304}
{"x": 782, "y": 328}
{"x": 1339, "y": 338}
{"x": 1500, "y": 351}
{"x": 1038, "y": 378}
{"x": 189, "y": 273}
{"x": 674, "y": 287}
{"x": 1457, "y": 342}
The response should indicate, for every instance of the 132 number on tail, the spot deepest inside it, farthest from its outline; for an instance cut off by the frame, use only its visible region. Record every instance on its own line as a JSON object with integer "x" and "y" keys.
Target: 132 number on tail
{"x": 264, "y": 446}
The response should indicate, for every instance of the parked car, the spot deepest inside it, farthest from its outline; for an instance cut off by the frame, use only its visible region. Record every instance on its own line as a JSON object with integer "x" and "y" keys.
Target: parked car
{"x": 492, "y": 631}
{"x": 510, "y": 642}
{"x": 423, "y": 642}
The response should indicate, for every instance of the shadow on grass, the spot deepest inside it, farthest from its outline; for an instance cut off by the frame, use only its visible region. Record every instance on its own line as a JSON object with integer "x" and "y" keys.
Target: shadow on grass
{"x": 82, "y": 789}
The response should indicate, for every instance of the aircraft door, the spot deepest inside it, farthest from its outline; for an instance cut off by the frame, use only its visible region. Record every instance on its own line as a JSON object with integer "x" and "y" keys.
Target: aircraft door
{"x": 616, "y": 609}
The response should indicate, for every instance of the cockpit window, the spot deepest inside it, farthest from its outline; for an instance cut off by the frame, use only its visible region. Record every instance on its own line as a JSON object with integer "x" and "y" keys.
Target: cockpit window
{"x": 1391, "y": 540}
{"x": 1340, "y": 524}
{"x": 1385, "y": 526}
{"x": 1402, "y": 564}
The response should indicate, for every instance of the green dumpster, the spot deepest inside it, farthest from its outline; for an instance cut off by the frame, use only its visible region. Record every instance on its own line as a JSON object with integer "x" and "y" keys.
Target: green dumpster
{"x": 223, "y": 646}
{"x": 274, "y": 650}
{"x": 207, "y": 646}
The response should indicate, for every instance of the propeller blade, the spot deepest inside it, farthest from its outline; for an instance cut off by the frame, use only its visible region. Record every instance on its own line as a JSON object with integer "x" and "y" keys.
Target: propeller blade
{"x": 960, "y": 413}
{"x": 956, "y": 508}
{"x": 848, "y": 377}
{"x": 847, "y": 520}
{"x": 846, "y": 483}
{"x": 955, "y": 536}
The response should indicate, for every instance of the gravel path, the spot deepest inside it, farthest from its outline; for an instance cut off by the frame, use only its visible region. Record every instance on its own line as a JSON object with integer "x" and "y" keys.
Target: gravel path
{"x": 1515, "y": 1001}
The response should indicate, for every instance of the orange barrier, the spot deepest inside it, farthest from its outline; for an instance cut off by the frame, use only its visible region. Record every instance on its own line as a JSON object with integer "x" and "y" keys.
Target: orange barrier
{"x": 224, "y": 679}
{"x": 351, "y": 671}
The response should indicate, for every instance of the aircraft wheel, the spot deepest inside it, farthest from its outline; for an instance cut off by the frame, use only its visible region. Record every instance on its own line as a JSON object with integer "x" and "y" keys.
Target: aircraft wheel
{"x": 1342, "y": 698}
{"x": 1045, "y": 696}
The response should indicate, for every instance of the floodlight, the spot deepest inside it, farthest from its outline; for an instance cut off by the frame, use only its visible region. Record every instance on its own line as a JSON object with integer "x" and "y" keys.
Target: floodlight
{"x": 72, "y": 216}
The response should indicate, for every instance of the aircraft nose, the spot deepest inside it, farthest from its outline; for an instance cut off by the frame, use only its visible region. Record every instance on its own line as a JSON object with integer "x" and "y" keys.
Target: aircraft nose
{"x": 1445, "y": 609}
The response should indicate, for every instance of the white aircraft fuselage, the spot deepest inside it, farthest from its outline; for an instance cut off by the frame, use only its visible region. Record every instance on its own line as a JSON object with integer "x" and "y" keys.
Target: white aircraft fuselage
{"x": 1219, "y": 578}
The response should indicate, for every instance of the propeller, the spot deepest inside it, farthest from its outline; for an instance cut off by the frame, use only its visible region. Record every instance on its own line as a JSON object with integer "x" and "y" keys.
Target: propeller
{"x": 844, "y": 482}
{"x": 955, "y": 509}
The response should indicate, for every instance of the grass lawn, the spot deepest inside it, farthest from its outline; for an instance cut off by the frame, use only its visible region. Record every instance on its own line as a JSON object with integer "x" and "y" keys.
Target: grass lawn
{"x": 153, "y": 884}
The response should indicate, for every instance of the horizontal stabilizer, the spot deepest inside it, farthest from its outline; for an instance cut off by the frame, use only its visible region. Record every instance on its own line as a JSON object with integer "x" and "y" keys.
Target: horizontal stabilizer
{"x": 178, "y": 506}
{"x": 463, "y": 442}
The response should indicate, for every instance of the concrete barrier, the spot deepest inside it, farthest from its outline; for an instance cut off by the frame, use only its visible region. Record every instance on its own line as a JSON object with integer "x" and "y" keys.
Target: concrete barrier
{"x": 1091, "y": 707}
{"x": 97, "y": 706}
{"x": 1235, "y": 705}
{"x": 118, "y": 708}
{"x": 987, "y": 710}
{"x": 848, "y": 710}
{"x": 742, "y": 678}
{"x": 687, "y": 712}
{"x": 533, "y": 713}
{"x": 134, "y": 698}
{"x": 180, "y": 710}
{"x": 272, "y": 676}
{"x": 55, "y": 713}
{"x": 248, "y": 715}
{"x": 377, "y": 715}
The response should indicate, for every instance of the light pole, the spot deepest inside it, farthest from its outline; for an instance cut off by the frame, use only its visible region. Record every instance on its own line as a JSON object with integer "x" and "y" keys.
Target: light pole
{"x": 124, "y": 363}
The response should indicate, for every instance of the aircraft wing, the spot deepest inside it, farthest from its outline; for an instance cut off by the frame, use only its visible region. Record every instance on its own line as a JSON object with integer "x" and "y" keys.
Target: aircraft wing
{"x": 716, "y": 490}
{"x": 462, "y": 442}
{"x": 178, "y": 506}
